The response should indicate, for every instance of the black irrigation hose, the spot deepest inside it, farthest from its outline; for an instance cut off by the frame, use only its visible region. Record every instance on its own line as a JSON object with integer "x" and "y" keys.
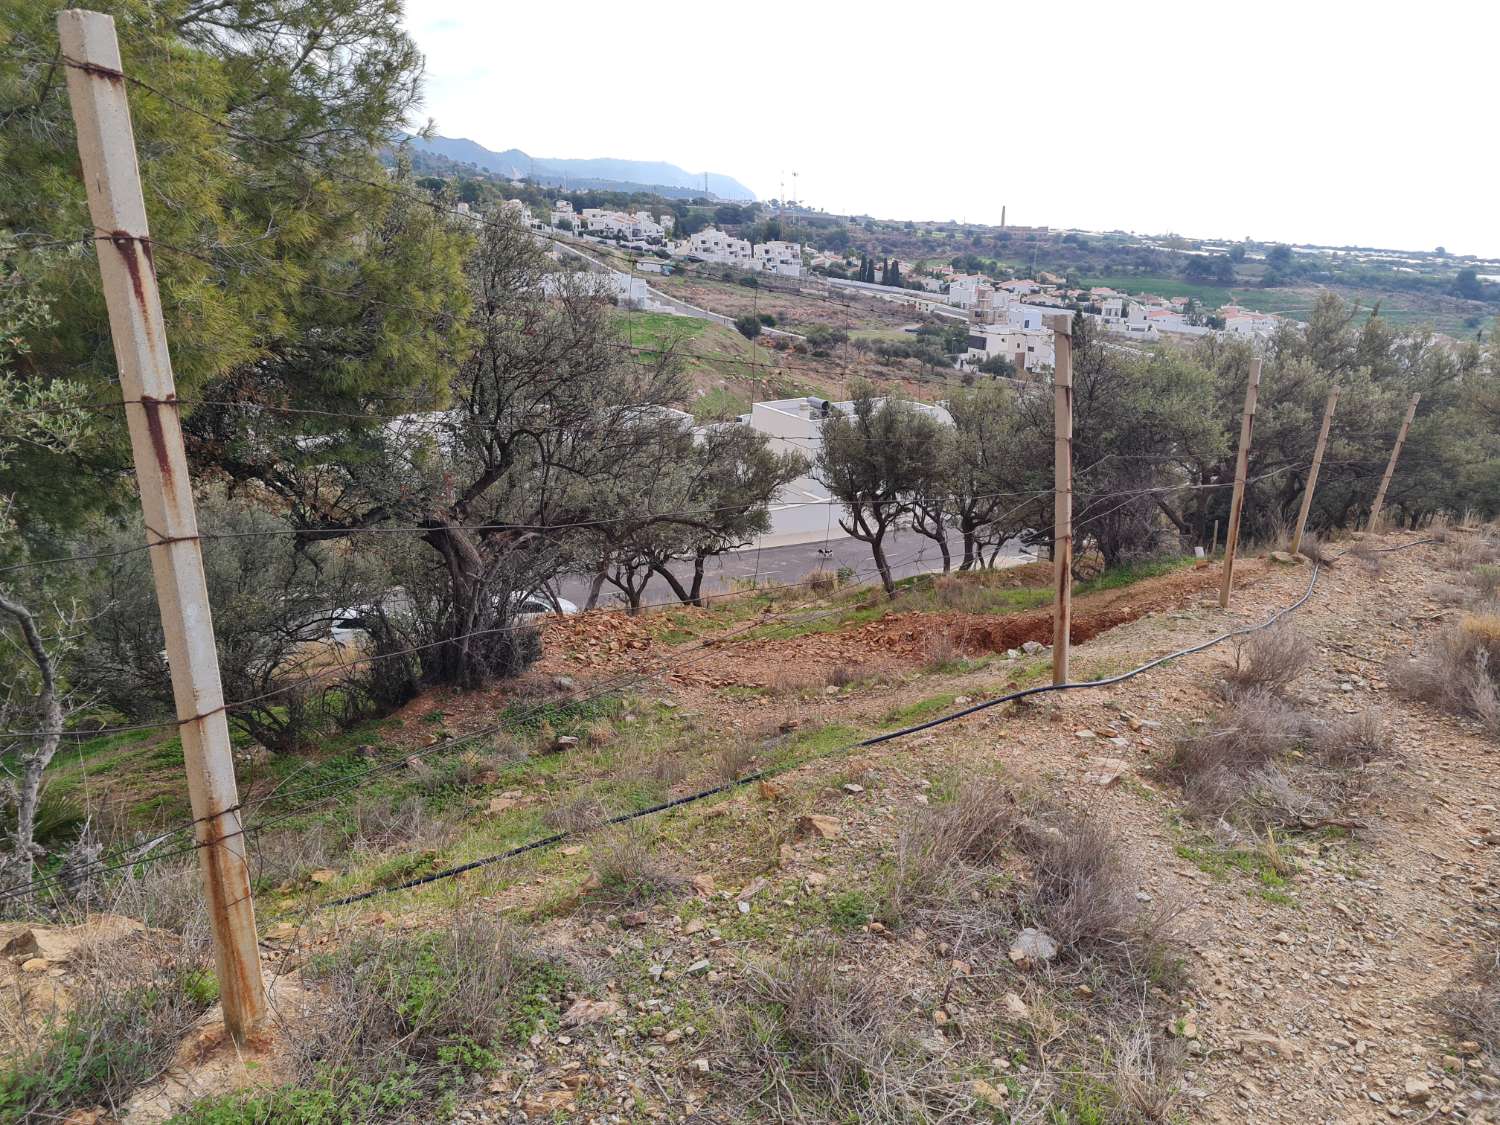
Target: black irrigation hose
{"x": 873, "y": 740}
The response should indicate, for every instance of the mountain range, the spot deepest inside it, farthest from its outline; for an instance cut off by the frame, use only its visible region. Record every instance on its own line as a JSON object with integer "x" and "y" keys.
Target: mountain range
{"x": 515, "y": 164}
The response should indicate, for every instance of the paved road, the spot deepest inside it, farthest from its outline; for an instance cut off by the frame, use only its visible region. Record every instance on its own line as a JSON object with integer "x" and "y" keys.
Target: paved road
{"x": 907, "y": 552}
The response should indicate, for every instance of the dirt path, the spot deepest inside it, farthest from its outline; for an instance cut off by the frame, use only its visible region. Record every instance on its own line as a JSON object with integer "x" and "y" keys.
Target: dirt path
{"x": 1321, "y": 1008}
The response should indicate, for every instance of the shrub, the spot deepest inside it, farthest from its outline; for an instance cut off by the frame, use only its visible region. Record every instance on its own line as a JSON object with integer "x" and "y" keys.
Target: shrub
{"x": 1458, "y": 672}
{"x": 734, "y": 760}
{"x": 811, "y": 1043}
{"x": 1268, "y": 660}
{"x": 820, "y": 583}
{"x": 629, "y": 871}
{"x": 1473, "y": 1004}
{"x": 405, "y": 1024}
{"x": 749, "y": 325}
{"x": 1262, "y": 762}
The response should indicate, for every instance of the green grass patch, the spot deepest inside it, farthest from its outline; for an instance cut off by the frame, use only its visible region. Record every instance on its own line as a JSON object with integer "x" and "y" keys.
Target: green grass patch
{"x": 921, "y": 709}
{"x": 1222, "y": 863}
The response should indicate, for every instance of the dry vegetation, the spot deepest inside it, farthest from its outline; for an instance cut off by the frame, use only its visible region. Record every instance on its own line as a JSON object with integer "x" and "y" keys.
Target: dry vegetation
{"x": 1264, "y": 760}
{"x": 1459, "y": 670}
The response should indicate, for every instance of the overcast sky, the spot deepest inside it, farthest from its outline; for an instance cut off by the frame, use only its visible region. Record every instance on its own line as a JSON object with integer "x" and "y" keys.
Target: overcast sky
{"x": 1364, "y": 123}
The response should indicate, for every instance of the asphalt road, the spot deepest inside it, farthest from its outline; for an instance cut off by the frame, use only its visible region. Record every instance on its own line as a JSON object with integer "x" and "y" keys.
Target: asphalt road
{"x": 907, "y": 552}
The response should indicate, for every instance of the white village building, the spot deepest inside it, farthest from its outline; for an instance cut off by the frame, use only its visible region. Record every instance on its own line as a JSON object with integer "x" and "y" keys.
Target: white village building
{"x": 713, "y": 245}
{"x": 784, "y": 258}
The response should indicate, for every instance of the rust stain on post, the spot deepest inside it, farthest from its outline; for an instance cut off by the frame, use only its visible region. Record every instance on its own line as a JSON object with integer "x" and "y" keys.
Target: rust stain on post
{"x": 159, "y": 447}
{"x": 125, "y": 243}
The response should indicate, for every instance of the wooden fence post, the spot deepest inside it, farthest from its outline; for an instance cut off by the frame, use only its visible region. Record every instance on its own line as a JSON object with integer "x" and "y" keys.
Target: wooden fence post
{"x": 1062, "y": 510}
{"x": 1232, "y": 532}
{"x": 106, "y": 147}
{"x": 1312, "y": 473}
{"x": 1390, "y": 468}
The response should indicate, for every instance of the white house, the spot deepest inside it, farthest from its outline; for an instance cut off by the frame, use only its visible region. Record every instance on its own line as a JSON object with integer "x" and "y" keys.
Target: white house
{"x": 1026, "y": 348}
{"x": 713, "y": 245}
{"x": 1126, "y": 317}
{"x": 784, "y": 258}
{"x": 1245, "y": 322}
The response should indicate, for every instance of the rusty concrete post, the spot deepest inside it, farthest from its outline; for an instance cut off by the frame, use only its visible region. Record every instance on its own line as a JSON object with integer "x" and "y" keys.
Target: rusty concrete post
{"x": 1062, "y": 505}
{"x": 106, "y": 147}
{"x": 1241, "y": 466}
{"x": 1390, "y": 468}
{"x": 1312, "y": 473}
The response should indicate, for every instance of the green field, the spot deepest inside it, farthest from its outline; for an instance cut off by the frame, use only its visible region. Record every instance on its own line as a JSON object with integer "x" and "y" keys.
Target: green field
{"x": 1209, "y": 296}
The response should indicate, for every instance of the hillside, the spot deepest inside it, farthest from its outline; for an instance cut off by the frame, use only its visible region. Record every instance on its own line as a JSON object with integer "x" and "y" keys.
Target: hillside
{"x": 838, "y": 940}
{"x": 515, "y": 164}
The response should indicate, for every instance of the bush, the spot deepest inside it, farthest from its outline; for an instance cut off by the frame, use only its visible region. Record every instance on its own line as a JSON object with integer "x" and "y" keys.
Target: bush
{"x": 630, "y": 872}
{"x": 1262, "y": 762}
{"x": 768, "y": 319}
{"x": 1458, "y": 672}
{"x": 749, "y": 325}
{"x": 811, "y": 1043}
{"x": 1472, "y": 1005}
{"x": 1269, "y": 660}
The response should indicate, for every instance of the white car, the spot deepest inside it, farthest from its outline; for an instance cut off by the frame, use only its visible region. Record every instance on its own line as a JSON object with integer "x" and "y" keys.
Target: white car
{"x": 537, "y": 605}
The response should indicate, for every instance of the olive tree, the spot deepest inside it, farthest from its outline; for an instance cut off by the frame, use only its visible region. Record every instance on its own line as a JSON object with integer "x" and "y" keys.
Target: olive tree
{"x": 875, "y": 460}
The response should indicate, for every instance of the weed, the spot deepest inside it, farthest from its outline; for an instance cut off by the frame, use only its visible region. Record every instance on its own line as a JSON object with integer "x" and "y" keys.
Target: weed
{"x": 1473, "y": 1004}
{"x": 849, "y": 910}
{"x": 811, "y": 1043}
{"x": 734, "y": 760}
{"x": 1458, "y": 672}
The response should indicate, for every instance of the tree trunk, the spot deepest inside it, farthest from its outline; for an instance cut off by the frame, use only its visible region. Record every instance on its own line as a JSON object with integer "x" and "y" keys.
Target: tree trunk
{"x": 699, "y": 558}
{"x": 683, "y": 594}
{"x": 594, "y": 589}
{"x": 877, "y": 548}
{"x": 942, "y": 542}
{"x": 48, "y": 737}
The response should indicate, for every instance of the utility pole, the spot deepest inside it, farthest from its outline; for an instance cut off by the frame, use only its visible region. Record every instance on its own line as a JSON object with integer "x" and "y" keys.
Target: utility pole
{"x": 1062, "y": 511}
{"x": 1232, "y": 532}
{"x": 1390, "y": 468}
{"x": 106, "y": 147}
{"x": 1312, "y": 473}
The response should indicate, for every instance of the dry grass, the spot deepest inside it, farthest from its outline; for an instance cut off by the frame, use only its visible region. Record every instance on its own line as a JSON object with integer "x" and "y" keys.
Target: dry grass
{"x": 630, "y": 871}
{"x": 133, "y": 1000}
{"x": 1262, "y": 762}
{"x": 394, "y": 822}
{"x": 820, "y": 583}
{"x": 1269, "y": 660}
{"x": 783, "y": 680}
{"x": 408, "y": 1019}
{"x": 811, "y": 1043}
{"x": 1458, "y": 672}
{"x": 579, "y": 815}
{"x": 1371, "y": 559}
{"x": 978, "y": 867}
{"x": 1314, "y": 549}
{"x": 945, "y": 862}
{"x": 1473, "y": 1004}
{"x": 734, "y": 760}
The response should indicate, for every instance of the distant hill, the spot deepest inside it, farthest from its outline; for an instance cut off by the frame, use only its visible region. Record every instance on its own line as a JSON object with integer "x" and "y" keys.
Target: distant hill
{"x": 516, "y": 164}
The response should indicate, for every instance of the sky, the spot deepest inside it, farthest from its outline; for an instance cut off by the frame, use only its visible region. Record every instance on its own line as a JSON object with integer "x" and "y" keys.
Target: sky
{"x": 1320, "y": 121}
